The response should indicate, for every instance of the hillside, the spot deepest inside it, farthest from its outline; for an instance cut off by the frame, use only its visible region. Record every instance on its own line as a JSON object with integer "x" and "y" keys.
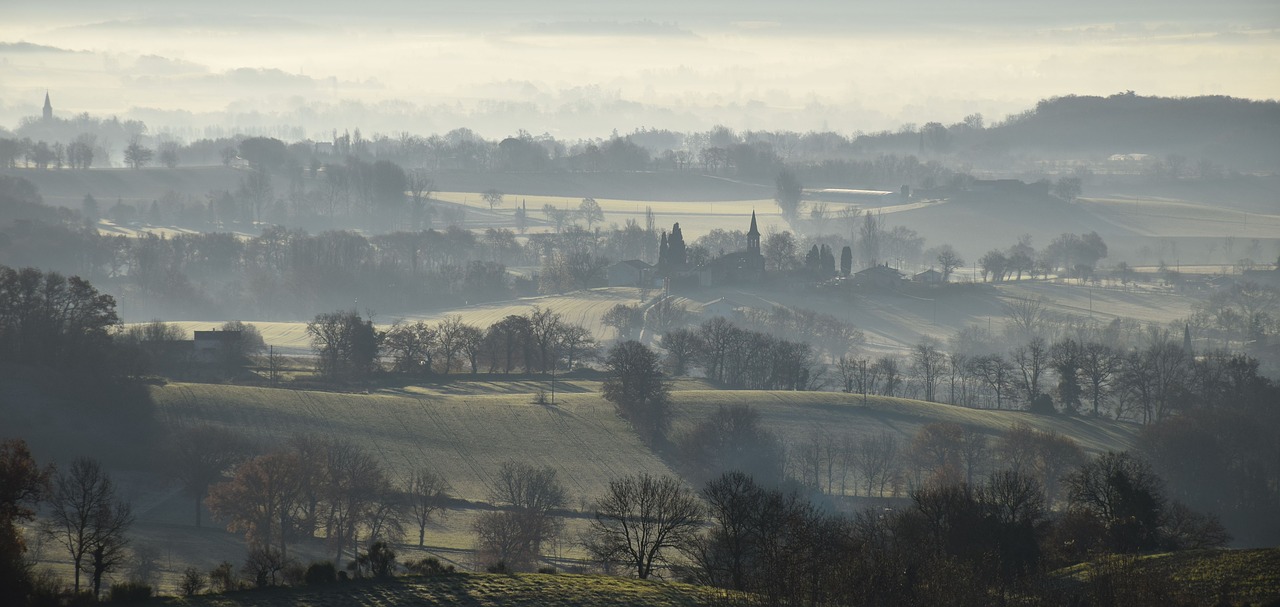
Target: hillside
{"x": 468, "y": 433}
{"x": 480, "y": 590}
{"x": 66, "y": 188}
{"x": 1199, "y": 577}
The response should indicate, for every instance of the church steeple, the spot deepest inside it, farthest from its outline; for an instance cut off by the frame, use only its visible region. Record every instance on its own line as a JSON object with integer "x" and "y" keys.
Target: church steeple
{"x": 753, "y": 236}
{"x": 48, "y": 107}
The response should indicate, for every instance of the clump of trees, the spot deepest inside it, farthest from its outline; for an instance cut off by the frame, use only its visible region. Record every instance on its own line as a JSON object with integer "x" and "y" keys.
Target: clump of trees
{"x": 636, "y": 385}
{"x": 316, "y": 487}
{"x": 743, "y": 359}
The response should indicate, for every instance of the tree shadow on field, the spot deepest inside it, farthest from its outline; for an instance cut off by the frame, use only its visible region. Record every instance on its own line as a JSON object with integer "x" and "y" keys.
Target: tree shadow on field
{"x": 63, "y": 415}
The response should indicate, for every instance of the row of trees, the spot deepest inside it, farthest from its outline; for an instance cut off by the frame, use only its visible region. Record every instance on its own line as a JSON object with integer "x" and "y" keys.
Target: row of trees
{"x": 741, "y": 358}
{"x": 312, "y": 487}
{"x": 957, "y": 543}
{"x": 350, "y": 347}
{"x": 1068, "y": 255}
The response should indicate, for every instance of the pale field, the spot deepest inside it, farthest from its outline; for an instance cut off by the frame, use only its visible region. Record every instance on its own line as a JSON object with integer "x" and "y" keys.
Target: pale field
{"x": 892, "y": 322}
{"x": 1169, "y": 217}
{"x": 586, "y": 308}
{"x": 695, "y": 218}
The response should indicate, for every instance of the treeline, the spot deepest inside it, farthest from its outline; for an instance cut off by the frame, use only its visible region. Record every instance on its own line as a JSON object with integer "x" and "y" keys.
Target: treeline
{"x": 349, "y": 347}
{"x": 750, "y": 360}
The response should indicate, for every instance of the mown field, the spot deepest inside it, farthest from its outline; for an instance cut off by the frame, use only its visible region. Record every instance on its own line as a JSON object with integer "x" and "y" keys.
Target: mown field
{"x": 479, "y": 590}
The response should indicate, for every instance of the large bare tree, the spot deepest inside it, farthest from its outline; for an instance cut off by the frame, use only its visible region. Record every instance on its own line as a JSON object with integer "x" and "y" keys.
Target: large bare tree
{"x": 88, "y": 520}
{"x": 642, "y": 517}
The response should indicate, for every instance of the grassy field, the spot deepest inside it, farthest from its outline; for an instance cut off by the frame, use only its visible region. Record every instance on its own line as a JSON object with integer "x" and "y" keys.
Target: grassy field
{"x": 467, "y": 433}
{"x": 479, "y": 590}
{"x": 586, "y": 308}
{"x": 1203, "y": 577}
{"x": 696, "y": 217}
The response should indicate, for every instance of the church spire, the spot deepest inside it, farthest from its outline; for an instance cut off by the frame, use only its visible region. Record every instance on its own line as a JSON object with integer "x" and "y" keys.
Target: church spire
{"x": 753, "y": 237}
{"x": 754, "y": 229}
{"x": 48, "y": 107}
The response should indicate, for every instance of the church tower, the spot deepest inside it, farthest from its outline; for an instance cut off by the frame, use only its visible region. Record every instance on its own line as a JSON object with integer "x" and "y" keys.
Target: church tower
{"x": 48, "y": 108}
{"x": 753, "y": 237}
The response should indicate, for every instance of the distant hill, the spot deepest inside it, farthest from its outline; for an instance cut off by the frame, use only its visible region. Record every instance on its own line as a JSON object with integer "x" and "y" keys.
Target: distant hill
{"x": 1195, "y": 577}
{"x": 1239, "y": 133}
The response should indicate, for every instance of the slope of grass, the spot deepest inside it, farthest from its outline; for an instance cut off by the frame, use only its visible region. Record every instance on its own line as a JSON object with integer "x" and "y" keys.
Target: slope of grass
{"x": 1249, "y": 577}
{"x": 799, "y": 415}
{"x": 467, "y": 433}
{"x": 481, "y": 590}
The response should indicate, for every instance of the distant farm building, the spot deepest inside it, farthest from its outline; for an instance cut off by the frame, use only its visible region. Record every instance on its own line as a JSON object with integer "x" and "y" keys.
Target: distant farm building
{"x": 629, "y": 273}
{"x": 881, "y": 276}
{"x": 213, "y": 346}
{"x": 930, "y": 276}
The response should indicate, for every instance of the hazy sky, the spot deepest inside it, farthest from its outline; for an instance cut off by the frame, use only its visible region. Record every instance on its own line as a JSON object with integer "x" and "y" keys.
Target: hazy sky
{"x": 585, "y": 68}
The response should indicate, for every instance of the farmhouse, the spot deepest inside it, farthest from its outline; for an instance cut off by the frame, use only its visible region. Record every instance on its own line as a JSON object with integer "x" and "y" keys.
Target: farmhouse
{"x": 881, "y": 276}
{"x": 629, "y": 273}
{"x": 930, "y": 276}
{"x": 213, "y": 346}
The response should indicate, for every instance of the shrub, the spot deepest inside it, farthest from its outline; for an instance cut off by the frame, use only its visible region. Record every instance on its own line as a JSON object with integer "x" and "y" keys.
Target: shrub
{"x": 548, "y": 569}
{"x": 192, "y": 582}
{"x": 321, "y": 573}
{"x": 223, "y": 577}
{"x": 498, "y": 567}
{"x": 129, "y": 592}
{"x": 428, "y": 566}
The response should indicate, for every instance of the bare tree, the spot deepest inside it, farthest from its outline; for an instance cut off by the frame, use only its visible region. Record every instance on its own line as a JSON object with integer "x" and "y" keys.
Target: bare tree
{"x": 450, "y": 334}
{"x": 1099, "y": 365}
{"x": 1031, "y": 360}
{"x": 929, "y": 364}
{"x": 531, "y": 496}
{"x": 948, "y": 260}
{"x": 86, "y": 518}
{"x": 590, "y": 212}
{"x": 682, "y": 346}
{"x": 427, "y": 492}
{"x": 1025, "y": 317}
{"x": 877, "y": 460}
{"x": 641, "y": 517}
{"x": 493, "y": 198}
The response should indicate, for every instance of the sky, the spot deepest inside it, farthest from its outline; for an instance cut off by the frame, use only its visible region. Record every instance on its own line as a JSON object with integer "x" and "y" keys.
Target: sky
{"x": 585, "y": 69}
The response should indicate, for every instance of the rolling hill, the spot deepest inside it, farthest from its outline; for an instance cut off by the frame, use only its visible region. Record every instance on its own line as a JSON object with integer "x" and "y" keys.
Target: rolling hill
{"x": 469, "y": 433}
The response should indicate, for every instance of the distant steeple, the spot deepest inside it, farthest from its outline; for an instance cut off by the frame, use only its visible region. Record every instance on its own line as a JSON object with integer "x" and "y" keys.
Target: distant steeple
{"x": 48, "y": 107}
{"x": 1186, "y": 338}
{"x": 753, "y": 236}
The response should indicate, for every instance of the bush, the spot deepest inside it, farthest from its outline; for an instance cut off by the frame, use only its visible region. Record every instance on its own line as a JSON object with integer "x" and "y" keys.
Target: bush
{"x": 428, "y": 566}
{"x": 498, "y": 567}
{"x": 129, "y": 592}
{"x": 192, "y": 582}
{"x": 548, "y": 570}
{"x": 1042, "y": 404}
{"x": 321, "y": 573}
{"x": 223, "y": 577}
